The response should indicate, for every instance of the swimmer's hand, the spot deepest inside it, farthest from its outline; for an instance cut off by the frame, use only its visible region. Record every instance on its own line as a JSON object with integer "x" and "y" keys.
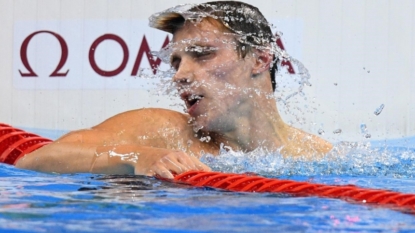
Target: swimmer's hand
{"x": 165, "y": 163}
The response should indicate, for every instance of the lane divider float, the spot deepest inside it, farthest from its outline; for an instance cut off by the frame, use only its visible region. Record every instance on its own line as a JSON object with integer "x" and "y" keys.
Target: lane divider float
{"x": 16, "y": 143}
{"x": 252, "y": 183}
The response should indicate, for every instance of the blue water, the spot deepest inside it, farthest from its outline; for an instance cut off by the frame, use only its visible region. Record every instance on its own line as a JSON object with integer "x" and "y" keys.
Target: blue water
{"x": 38, "y": 202}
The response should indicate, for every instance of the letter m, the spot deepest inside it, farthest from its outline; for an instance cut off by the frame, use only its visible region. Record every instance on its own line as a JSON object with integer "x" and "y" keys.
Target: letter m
{"x": 145, "y": 49}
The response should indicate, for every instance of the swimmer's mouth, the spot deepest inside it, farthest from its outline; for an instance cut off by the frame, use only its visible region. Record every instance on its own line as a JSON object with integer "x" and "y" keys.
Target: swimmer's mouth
{"x": 191, "y": 99}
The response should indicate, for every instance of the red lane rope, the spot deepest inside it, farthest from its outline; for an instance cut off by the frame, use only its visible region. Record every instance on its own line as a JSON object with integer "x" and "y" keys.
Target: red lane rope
{"x": 15, "y": 143}
{"x": 252, "y": 183}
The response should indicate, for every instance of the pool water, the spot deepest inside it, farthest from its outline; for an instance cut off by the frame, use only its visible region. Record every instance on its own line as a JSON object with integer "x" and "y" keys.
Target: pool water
{"x": 38, "y": 202}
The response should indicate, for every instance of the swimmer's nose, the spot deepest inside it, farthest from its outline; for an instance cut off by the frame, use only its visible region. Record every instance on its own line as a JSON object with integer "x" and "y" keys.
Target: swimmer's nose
{"x": 184, "y": 74}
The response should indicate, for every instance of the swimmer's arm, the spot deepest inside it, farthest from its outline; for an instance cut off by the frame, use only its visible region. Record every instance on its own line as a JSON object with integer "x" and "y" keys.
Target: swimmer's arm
{"x": 88, "y": 151}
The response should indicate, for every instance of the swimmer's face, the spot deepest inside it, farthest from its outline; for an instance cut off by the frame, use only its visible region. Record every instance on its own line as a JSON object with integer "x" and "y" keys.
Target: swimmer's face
{"x": 212, "y": 78}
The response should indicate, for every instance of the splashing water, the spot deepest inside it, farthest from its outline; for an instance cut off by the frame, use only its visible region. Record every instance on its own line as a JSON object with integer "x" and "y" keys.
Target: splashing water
{"x": 364, "y": 131}
{"x": 379, "y": 110}
{"x": 353, "y": 159}
{"x": 344, "y": 159}
{"x": 254, "y": 40}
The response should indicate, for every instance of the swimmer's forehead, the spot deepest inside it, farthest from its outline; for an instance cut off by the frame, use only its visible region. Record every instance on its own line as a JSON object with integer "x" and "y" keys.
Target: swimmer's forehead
{"x": 203, "y": 31}
{"x": 195, "y": 45}
{"x": 180, "y": 45}
{"x": 194, "y": 40}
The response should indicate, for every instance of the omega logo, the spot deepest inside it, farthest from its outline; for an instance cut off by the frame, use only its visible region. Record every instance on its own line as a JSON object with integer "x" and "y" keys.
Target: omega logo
{"x": 25, "y": 61}
{"x": 143, "y": 49}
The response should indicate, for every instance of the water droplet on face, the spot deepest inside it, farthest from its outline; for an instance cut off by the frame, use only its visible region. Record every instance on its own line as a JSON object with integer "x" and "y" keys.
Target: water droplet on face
{"x": 320, "y": 132}
{"x": 253, "y": 40}
{"x": 379, "y": 110}
{"x": 197, "y": 128}
{"x": 205, "y": 139}
{"x": 337, "y": 131}
{"x": 190, "y": 121}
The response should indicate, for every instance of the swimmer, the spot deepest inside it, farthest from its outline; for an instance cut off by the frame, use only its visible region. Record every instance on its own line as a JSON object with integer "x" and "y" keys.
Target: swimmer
{"x": 225, "y": 74}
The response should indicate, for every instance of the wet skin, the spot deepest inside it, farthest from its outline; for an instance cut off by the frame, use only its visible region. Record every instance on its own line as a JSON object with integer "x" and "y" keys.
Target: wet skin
{"x": 209, "y": 66}
{"x": 229, "y": 100}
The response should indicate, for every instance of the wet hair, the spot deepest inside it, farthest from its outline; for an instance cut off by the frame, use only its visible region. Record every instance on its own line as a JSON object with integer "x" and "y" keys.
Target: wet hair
{"x": 246, "y": 21}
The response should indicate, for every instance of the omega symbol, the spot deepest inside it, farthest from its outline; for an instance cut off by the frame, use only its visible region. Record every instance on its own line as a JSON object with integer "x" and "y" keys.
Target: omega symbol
{"x": 25, "y": 61}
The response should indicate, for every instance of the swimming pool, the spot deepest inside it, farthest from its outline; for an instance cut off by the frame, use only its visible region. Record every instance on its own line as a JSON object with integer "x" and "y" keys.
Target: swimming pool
{"x": 39, "y": 202}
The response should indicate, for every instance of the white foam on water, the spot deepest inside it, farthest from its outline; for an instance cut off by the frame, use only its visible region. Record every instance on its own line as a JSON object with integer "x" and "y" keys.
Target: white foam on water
{"x": 346, "y": 158}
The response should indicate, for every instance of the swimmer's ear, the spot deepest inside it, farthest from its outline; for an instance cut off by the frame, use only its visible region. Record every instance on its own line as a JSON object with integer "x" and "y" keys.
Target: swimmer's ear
{"x": 262, "y": 61}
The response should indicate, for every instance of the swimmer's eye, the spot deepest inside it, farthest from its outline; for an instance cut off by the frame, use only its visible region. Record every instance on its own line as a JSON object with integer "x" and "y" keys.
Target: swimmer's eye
{"x": 200, "y": 51}
{"x": 197, "y": 52}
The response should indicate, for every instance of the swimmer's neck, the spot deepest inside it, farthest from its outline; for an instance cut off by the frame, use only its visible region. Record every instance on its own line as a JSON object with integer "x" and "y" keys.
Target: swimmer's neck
{"x": 263, "y": 128}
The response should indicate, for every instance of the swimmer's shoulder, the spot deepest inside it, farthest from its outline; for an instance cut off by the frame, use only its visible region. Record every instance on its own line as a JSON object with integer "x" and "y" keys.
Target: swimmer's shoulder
{"x": 155, "y": 127}
{"x": 146, "y": 118}
{"x": 306, "y": 144}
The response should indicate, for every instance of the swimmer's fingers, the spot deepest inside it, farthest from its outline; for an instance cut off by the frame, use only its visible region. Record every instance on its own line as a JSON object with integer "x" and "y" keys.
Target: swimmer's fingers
{"x": 199, "y": 166}
{"x": 173, "y": 162}
{"x": 192, "y": 163}
{"x": 161, "y": 171}
{"x": 189, "y": 161}
{"x": 170, "y": 164}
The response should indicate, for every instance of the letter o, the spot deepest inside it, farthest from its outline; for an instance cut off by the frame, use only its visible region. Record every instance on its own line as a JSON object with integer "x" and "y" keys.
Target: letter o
{"x": 93, "y": 48}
